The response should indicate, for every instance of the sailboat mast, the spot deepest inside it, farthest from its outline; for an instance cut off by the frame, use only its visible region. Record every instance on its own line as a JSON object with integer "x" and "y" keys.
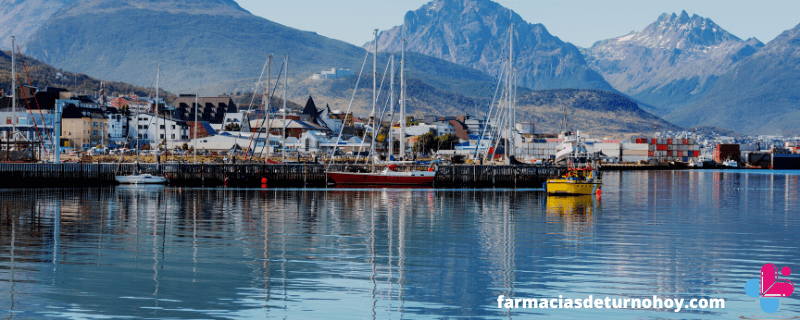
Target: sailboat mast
{"x": 512, "y": 108}
{"x": 285, "y": 85}
{"x": 196, "y": 100}
{"x": 391, "y": 110}
{"x": 158, "y": 73}
{"x": 267, "y": 103}
{"x": 403, "y": 103}
{"x": 13, "y": 89}
{"x": 374, "y": 98}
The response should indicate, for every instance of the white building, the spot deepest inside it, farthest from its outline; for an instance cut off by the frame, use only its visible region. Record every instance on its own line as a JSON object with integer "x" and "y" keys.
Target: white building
{"x": 117, "y": 128}
{"x": 441, "y": 128}
{"x": 334, "y": 73}
{"x": 152, "y": 130}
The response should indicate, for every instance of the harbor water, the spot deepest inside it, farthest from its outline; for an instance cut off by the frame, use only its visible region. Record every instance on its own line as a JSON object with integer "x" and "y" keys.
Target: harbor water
{"x": 158, "y": 252}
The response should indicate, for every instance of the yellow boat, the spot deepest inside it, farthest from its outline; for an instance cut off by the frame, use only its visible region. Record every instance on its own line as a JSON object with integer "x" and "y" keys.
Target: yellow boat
{"x": 577, "y": 181}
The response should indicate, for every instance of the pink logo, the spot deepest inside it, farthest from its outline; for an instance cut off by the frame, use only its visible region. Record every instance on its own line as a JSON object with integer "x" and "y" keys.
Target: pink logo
{"x": 770, "y": 287}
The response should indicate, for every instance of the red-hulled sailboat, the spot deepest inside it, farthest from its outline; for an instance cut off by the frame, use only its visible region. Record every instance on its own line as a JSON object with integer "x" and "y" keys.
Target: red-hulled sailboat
{"x": 389, "y": 176}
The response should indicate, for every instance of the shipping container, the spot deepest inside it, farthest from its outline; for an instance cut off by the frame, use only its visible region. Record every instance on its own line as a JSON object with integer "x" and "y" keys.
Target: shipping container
{"x": 785, "y": 161}
{"x": 634, "y": 153}
{"x": 727, "y": 151}
{"x": 634, "y": 146}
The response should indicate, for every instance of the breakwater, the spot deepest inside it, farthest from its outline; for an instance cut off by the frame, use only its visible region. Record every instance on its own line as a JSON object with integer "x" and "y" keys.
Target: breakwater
{"x": 38, "y": 175}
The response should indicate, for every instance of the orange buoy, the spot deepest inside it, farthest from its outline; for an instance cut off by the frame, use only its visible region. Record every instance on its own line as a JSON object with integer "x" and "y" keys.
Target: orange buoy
{"x": 599, "y": 192}
{"x": 264, "y": 180}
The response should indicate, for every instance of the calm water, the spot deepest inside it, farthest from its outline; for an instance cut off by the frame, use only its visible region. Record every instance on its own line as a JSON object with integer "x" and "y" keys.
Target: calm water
{"x": 156, "y": 252}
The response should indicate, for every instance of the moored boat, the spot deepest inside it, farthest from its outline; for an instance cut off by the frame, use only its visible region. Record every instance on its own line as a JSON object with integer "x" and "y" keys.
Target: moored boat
{"x": 387, "y": 177}
{"x": 730, "y": 163}
{"x": 140, "y": 179}
{"x": 577, "y": 181}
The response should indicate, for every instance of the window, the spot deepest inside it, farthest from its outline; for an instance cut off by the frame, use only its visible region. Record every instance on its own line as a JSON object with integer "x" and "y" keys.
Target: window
{"x": 94, "y": 132}
{"x": 162, "y": 126}
{"x": 94, "y": 124}
{"x": 145, "y": 136}
{"x": 173, "y": 136}
{"x": 140, "y": 136}
{"x": 161, "y": 136}
{"x": 173, "y": 127}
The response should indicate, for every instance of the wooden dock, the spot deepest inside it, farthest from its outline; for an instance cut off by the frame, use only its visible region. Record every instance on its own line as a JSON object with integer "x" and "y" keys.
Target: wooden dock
{"x": 43, "y": 175}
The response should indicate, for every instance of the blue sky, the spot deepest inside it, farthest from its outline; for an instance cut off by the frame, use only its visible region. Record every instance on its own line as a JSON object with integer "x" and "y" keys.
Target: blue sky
{"x": 581, "y": 22}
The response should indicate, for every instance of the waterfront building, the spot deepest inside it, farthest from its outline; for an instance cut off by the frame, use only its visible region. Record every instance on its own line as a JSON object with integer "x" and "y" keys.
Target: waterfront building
{"x": 333, "y": 73}
{"x": 133, "y": 104}
{"x": 155, "y": 130}
{"x": 209, "y": 109}
{"x": 82, "y": 128}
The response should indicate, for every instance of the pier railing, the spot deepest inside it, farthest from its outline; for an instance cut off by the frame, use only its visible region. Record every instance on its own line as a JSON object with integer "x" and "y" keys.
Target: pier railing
{"x": 256, "y": 174}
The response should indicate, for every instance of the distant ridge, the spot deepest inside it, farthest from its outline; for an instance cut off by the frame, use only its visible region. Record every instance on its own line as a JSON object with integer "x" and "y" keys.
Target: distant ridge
{"x": 673, "y": 61}
{"x": 760, "y": 95}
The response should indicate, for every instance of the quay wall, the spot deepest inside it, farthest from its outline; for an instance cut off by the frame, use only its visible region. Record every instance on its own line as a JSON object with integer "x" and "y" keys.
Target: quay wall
{"x": 44, "y": 175}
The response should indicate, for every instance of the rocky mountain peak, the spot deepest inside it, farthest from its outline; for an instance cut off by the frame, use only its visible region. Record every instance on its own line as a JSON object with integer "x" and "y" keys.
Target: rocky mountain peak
{"x": 678, "y": 32}
{"x": 475, "y": 33}
{"x": 672, "y": 60}
{"x": 786, "y": 42}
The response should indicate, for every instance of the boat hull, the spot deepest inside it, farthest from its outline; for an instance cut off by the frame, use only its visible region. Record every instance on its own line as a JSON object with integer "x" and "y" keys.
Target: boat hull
{"x": 140, "y": 179}
{"x": 573, "y": 187}
{"x": 417, "y": 178}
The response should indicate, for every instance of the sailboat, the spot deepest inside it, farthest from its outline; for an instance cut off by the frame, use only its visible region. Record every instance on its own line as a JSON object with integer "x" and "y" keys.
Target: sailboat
{"x": 137, "y": 177}
{"x": 388, "y": 176}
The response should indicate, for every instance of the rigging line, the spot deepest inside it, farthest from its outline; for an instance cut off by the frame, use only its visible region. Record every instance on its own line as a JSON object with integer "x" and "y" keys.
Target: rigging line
{"x": 338, "y": 138}
{"x": 272, "y": 95}
{"x": 502, "y": 117}
{"x": 27, "y": 75}
{"x": 383, "y": 113}
{"x": 374, "y": 116}
{"x": 489, "y": 115}
{"x": 25, "y": 96}
{"x": 258, "y": 83}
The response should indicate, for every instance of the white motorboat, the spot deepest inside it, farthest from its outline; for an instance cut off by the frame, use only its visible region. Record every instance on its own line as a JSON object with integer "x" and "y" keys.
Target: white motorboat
{"x": 730, "y": 163}
{"x": 145, "y": 178}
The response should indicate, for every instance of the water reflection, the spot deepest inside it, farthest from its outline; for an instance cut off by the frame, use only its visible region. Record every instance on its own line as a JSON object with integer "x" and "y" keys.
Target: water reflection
{"x": 156, "y": 252}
